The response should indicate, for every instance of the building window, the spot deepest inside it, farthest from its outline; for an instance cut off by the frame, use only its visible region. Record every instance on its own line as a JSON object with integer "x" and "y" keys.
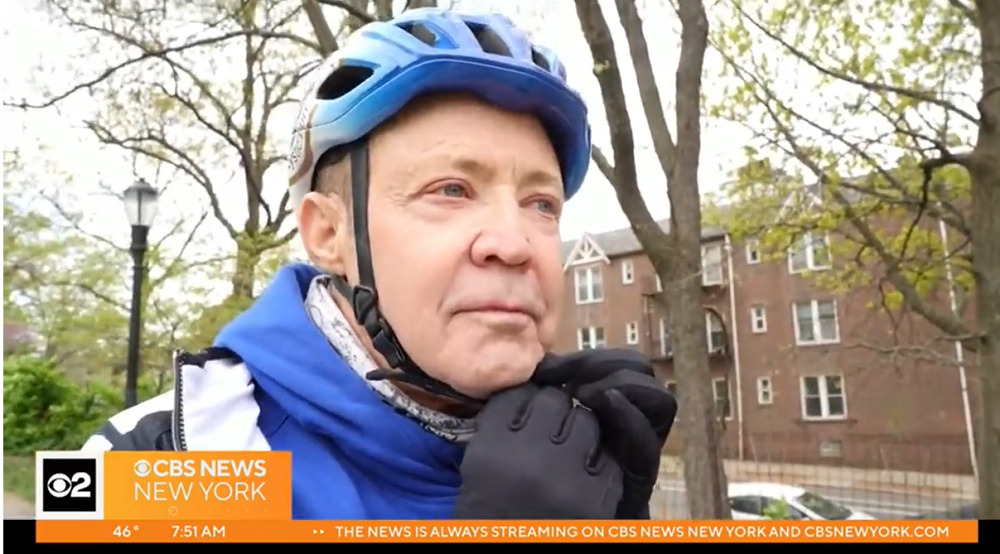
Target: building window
{"x": 665, "y": 346}
{"x": 816, "y": 322}
{"x": 764, "y": 394}
{"x": 753, "y": 252}
{"x": 810, "y": 253}
{"x": 672, "y": 388}
{"x": 711, "y": 264}
{"x": 589, "y": 288}
{"x": 823, "y": 397}
{"x": 715, "y": 332}
{"x": 628, "y": 272}
{"x": 831, "y": 448}
{"x": 758, "y": 319}
{"x": 632, "y": 332}
{"x": 589, "y": 338}
{"x": 720, "y": 391}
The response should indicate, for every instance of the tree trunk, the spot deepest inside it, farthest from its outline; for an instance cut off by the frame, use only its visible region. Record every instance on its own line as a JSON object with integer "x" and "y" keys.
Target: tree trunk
{"x": 703, "y": 476}
{"x": 245, "y": 272}
{"x": 984, "y": 168}
{"x": 677, "y": 256}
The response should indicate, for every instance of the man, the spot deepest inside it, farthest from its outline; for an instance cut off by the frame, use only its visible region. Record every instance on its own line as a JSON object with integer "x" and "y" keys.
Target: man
{"x": 434, "y": 152}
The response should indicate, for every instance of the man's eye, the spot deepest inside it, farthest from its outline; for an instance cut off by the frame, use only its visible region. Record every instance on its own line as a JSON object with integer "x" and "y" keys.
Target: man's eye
{"x": 454, "y": 190}
{"x": 546, "y": 205}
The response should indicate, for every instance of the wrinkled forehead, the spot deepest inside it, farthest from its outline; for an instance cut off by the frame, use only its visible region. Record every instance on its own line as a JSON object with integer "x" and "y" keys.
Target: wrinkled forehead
{"x": 460, "y": 132}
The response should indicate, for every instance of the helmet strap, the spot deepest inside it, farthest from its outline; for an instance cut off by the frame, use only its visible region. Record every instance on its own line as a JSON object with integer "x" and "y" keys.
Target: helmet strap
{"x": 364, "y": 296}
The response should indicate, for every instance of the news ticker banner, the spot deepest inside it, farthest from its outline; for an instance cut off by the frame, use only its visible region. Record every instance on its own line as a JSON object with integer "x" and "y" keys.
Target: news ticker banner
{"x": 472, "y": 532}
{"x": 163, "y": 497}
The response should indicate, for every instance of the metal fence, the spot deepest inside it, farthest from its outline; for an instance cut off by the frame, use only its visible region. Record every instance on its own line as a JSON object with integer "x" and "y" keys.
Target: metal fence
{"x": 884, "y": 477}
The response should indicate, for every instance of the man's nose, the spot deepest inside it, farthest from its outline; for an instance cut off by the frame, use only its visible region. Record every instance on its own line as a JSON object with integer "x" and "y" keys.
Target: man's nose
{"x": 503, "y": 238}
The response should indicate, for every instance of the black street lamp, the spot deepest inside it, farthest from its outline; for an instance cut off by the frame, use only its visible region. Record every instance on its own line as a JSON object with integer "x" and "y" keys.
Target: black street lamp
{"x": 140, "y": 207}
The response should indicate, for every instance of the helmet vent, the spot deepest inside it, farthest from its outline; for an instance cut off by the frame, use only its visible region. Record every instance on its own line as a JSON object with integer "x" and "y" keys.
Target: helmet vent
{"x": 420, "y": 32}
{"x": 342, "y": 81}
{"x": 540, "y": 60}
{"x": 489, "y": 40}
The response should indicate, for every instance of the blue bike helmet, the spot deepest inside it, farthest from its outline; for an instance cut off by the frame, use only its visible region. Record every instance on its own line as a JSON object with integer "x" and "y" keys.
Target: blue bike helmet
{"x": 385, "y": 65}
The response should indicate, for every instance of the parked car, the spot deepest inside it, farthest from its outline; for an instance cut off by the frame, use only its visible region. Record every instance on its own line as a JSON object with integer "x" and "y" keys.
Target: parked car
{"x": 757, "y": 500}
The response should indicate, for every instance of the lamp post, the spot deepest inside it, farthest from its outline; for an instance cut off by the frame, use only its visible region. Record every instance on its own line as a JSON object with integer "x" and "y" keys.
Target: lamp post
{"x": 140, "y": 207}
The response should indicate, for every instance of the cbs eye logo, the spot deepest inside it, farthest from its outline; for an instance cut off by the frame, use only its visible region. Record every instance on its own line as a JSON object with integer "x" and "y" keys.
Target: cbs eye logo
{"x": 142, "y": 468}
{"x": 61, "y": 485}
{"x": 68, "y": 485}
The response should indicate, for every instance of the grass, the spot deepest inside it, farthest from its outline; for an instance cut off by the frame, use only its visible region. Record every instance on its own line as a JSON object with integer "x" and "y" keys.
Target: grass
{"x": 19, "y": 476}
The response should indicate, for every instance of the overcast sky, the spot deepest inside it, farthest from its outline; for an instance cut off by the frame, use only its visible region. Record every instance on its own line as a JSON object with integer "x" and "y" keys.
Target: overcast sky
{"x": 552, "y": 22}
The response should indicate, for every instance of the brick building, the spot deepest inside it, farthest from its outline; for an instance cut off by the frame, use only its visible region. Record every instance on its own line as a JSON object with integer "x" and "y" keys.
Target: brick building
{"x": 18, "y": 339}
{"x": 798, "y": 374}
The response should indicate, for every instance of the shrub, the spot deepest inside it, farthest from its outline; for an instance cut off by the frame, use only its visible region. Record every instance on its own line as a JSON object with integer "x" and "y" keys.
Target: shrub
{"x": 43, "y": 409}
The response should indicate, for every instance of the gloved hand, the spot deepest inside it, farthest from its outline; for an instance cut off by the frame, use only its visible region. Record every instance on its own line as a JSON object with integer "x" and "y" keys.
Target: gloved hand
{"x": 635, "y": 411}
{"x": 537, "y": 455}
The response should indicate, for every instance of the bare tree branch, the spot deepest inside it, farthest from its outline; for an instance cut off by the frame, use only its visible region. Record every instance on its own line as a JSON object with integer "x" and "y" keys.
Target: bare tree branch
{"x": 160, "y": 53}
{"x": 609, "y": 78}
{"x": 603, "y": 164}
{"x": 649, "y": 93}
{"x": 325, "y": 36}
{"x": 968, "y": 12}
{"x": 350, "y": 8}
{"x": 920, "y": 95}
{"x": 945, "y": 321}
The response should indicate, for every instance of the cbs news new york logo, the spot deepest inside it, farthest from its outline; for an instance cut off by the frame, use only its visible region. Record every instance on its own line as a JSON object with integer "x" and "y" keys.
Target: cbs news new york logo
{"x": 163, "y": 485}
{"x": 69, "y": 485}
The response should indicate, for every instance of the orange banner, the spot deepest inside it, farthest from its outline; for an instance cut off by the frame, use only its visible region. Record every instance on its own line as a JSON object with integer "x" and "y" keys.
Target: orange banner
{"x": 215, "y": 486}
{"x": 508, "y": 531}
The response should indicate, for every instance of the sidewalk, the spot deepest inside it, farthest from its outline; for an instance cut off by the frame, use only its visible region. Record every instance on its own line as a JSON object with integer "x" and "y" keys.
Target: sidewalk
{"x": 17, "y": 507}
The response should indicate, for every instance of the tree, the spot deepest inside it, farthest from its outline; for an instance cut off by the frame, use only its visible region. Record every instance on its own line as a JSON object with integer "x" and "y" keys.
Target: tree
{"x": 198, "y": 89}
{"x": 195, "y": 88}
{"x": 358, "y": 13}
{"x": 57, "y": 291}
{"x": 68, "y": 288}
{"x": 893, "y": 144}
{"x": 195, "y": 93}
{"x": 676, "y": 255}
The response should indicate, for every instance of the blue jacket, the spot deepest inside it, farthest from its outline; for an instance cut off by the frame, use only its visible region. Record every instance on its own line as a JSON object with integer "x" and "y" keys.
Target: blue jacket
{"x": 286, "y": 388}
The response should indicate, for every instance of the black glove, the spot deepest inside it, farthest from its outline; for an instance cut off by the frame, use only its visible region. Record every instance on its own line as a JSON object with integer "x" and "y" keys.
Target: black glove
{"x": 536, "y": 455}
{"x": 635, "y": 410}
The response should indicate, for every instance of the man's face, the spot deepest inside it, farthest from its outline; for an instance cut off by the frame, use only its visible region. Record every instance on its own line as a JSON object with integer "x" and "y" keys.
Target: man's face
{"x": 464, "y": 228}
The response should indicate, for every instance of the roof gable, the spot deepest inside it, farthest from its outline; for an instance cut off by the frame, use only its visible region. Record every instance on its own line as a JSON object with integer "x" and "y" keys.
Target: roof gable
{"x": 585, "y": 251}
{"x": 807, "y": 197}
{"x": 623, "y": 242}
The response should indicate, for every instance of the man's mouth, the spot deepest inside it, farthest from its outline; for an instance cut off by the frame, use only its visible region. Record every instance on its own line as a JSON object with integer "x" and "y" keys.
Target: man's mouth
{"x": 501, "y": 314}
{"x": 500, "y": 309}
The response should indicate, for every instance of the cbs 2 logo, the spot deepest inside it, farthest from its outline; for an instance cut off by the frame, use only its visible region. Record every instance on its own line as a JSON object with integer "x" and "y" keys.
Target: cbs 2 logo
{"x": 61, "y": 485}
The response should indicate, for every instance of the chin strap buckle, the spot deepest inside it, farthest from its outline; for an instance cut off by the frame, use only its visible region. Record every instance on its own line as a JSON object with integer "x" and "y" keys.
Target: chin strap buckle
{"x": 422, "y": 381}
{"x": 364, "y": 301}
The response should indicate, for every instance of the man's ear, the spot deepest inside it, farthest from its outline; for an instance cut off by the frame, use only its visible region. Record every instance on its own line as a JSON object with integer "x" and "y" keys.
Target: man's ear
{"x": 323, "y": 227}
